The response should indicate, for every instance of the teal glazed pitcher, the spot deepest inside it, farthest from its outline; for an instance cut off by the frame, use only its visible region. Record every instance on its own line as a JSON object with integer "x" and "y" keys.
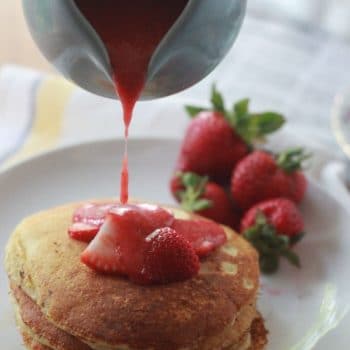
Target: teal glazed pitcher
{"x": 192, "y": 48}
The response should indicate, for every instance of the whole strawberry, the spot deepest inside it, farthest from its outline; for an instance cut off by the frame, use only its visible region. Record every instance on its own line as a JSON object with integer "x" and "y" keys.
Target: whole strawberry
{"x": 273, "y": 227}
{"x": 168, "y": 258}
{"x": 262, "y": 175}
{"x": 217, "y": 138}
{"x": 281, "y": 213}
{"x": 197, "y": 194}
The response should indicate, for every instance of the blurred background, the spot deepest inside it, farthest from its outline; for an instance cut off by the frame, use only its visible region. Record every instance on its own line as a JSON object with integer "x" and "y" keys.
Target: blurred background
{"x": 330, "y": 15}
{"x": 291, "y": 56}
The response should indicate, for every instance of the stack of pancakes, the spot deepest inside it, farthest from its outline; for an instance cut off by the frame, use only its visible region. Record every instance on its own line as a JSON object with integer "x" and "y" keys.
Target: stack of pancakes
{"x": 63, "y": 305}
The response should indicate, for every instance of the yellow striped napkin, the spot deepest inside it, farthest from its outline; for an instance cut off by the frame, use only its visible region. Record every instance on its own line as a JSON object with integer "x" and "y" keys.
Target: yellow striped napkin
{"x": 31, "y": 112}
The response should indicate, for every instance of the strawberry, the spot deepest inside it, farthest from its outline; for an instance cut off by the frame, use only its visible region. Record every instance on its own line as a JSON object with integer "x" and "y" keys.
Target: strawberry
{"x": 197, "y": 194}
{"x": 273, "y": 227}
{"x": 130, "y": 243}
{"x": 281, "y": 213}
{"x": 108, "y": 251}
{"x": 93, "y": 214}
{"x": 217, "y": 139}
{"x": 203, "y": 235}
{"x": 88, "y": 219}
{"x": 261, "y": 176}
{"x": 176, "y": 186}
{"x": 118, "y": 246}
{"x": 168, "y": 258}
{"x": 82, "y": 232}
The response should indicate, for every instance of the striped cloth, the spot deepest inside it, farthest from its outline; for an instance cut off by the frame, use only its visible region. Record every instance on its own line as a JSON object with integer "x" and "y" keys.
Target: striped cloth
{"x": 31, "y": 113}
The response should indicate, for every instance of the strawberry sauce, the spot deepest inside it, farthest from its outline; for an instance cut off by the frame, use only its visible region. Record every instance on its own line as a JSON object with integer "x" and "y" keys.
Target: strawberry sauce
{"x": 144, "y": 242}
{"x": 131, "y": 31}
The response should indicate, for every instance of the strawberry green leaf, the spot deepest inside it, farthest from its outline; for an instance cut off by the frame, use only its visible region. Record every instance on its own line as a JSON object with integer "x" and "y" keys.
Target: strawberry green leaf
{"x": 193, "y": 180}
{"x": 270, "y": 245}
{"x": 253, "y": 126}
{"x": 266, "y": 123}
{"x": 241, "y": 107}
{"x": 193, "y": 111}
{"x": 297, "y": 238}
{"x": 291, "y": 257}
{"x": 201, "y": 204}
{"x": 269, "y": 264}
{"x": 250, "y": 126}
{"x": 217, "y": 101}
{"x": 251, "y": 234}
{"x": 191, "y": 196}
{"x": 292, "y": 159}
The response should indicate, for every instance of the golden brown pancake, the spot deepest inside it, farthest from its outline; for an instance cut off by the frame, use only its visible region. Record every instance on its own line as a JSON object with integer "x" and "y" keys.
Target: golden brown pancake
{"x": 211, "y": 311}
{"x": 32, "y": 321}
{"x": 256, "y": 339}
{"x": 256, "y": 343}
{"x": 35, "y": 321}
{"x": 31, "y": 344}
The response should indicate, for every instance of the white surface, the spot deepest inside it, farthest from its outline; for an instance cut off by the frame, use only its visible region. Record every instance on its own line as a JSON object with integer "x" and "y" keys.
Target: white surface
{"x": 290, "y": 301}
{"x": 332, "y": 15}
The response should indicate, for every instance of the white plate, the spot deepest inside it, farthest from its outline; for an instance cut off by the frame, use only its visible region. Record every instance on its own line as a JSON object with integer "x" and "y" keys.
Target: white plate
{"x": 299, "y": 306}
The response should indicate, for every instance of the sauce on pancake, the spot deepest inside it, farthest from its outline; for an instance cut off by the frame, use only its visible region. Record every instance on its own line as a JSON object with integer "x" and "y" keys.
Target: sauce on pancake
{"x": 121, "y": 238}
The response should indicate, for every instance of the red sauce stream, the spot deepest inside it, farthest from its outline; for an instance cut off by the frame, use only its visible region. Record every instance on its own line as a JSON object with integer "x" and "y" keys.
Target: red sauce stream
{"x": 131, "y": 31}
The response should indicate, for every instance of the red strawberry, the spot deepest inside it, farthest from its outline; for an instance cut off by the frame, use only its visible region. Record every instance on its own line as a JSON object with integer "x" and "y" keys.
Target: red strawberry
{"x": 176, "y": 186}
{"x": 273, "y": 227}
{"x": 82, "y": 232}
{"x": 281, "y": 213}
{"x": 203, "y": 235}
{"x": 206, "y": 198}
{"x": 108, "y": 252}
{"x": 217, "y": 138}
{"x": 88, "y": 219}
{"x": 119, "y": 245}
{"x": 168, "y": 258}
{"x": 211, "y": 147}
{"x": 93, "y": 214}
{"x": 261, "y": 176}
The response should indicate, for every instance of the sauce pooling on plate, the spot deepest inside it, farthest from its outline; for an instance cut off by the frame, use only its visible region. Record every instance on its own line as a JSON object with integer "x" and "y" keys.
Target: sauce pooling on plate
{"x": 131, "y": 31}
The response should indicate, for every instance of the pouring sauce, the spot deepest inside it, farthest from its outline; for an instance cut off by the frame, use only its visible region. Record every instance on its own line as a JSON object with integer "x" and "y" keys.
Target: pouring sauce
{"x": 131, "y": 31}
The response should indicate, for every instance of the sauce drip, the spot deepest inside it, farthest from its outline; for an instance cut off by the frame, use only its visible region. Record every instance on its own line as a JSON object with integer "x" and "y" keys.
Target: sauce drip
{"x": 131, "y": 31}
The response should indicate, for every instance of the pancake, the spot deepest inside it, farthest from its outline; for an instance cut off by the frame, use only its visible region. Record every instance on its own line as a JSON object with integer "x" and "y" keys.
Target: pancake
{"x": 254, "y": 340}
{"x": 31, "y": 344}
{"x": 251, "y": 342}
{"x": 32, "y": 320}
{"x": 211, "y": 311}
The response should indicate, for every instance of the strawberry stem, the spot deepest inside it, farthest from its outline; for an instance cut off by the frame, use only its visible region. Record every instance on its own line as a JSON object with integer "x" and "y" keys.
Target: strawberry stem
{"x": 251, "y": 127}
{"x": 292, "y": 160}
{"x": 217, "y": 101}
{"x": 193, "y": 111}
{"x": 194, "y": 188}
{"x": 270, "y": 245}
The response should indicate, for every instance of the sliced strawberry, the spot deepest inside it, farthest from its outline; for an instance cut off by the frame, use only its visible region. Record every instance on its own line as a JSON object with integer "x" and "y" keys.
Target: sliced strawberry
{"x": 119, "y": 245}
{"x": 82, "y": 232}
{"x": 204, "y": 235}
{"x": 93, "y": 214}
{"x": 108, "y": 251}
{"x": 101, "y": 254}
{"x": 169, "y": 257}
{"x": 88, "y": 219}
